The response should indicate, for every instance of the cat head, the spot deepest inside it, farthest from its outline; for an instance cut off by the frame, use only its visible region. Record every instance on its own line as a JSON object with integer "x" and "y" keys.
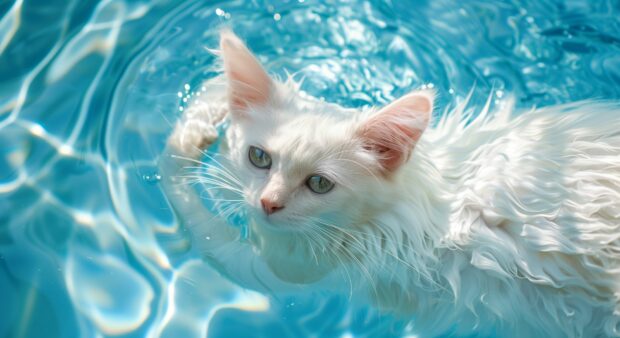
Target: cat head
{"x": 308, "y": 164}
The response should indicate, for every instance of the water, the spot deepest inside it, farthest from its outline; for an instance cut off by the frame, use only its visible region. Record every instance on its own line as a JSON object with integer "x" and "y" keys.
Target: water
{"x": 88, "y": 90}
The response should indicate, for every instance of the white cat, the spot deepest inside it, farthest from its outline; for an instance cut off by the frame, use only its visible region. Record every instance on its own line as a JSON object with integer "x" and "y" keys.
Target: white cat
{"x": 498, "y": 224}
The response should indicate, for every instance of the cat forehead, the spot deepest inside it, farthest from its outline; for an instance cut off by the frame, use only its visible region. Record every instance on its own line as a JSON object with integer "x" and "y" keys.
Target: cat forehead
{"x": 306, "y": 142}
{"x": 312, "y": 133}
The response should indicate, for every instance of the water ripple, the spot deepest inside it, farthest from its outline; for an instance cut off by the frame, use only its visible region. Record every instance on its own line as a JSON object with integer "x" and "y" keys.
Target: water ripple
{"x": 115, "y": 297}
{"x": 89, "y": 92}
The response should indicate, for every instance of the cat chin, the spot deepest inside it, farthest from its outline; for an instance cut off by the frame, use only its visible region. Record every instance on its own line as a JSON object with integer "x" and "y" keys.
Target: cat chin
{"x": 286, "y": 254}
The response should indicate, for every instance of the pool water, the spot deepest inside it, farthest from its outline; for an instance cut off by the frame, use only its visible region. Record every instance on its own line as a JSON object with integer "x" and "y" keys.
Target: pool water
{"x": 89, "y": 90}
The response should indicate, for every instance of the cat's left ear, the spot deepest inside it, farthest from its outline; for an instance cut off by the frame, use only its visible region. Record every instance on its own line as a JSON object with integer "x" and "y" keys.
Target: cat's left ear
{"x": 393, "y": 132}
{"x": 249, "y": 84}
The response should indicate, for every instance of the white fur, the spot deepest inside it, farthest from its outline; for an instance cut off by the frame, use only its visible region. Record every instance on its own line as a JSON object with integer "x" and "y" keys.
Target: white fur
{"x": 504, "y": 224}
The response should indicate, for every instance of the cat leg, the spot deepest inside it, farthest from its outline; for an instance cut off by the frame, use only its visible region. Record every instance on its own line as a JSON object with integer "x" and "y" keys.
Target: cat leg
{"x": 196, "y": 129}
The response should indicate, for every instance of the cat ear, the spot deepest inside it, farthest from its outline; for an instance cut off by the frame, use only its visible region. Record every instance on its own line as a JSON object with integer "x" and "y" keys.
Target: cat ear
{"x": 392, "y": 133}
{"x": 249, "y": 84}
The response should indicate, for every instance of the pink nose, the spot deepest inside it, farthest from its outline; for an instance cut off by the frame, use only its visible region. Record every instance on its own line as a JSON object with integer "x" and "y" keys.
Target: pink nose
{"x": 270, "y": 206}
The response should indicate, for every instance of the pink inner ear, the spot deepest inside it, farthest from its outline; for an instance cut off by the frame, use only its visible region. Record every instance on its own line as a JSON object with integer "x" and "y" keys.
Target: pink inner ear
{"x": 249, "y": 83}
{"x": 392, "y": 133}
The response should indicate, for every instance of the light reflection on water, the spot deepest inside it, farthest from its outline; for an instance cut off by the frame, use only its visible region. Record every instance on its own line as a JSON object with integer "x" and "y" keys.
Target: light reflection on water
{"x": 88, "y": 91}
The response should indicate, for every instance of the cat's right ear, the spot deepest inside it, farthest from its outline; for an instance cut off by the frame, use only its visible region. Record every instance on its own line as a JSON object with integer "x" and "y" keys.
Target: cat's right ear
{"x": 392, "y": 133}
{"x": 248, "y": 83}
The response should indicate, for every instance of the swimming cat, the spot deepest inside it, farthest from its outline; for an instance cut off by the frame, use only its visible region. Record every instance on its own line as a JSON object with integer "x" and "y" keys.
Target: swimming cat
{"x": 495, "y": 223}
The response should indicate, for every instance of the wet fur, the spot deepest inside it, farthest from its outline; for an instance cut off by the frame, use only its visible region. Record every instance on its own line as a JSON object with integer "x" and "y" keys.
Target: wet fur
{"x": 497, "y": 223}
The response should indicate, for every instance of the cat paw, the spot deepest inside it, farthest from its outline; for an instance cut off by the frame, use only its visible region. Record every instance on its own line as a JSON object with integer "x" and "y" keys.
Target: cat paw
{"x": 191, "y": 137}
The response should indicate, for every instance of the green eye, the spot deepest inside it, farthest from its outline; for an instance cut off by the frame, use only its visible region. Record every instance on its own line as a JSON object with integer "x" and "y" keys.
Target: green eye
{"x": 319, "y": 184}
{"x": 259, "y": 158}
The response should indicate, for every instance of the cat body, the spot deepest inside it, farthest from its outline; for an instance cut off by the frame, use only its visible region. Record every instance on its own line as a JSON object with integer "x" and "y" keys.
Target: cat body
{"x": 493, "y": 223}
{"x": 531, "y": 241}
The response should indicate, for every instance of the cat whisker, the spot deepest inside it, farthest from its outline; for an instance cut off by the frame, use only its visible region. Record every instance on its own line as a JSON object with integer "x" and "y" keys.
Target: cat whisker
{"x": 214, "y": 172}
{"x": 357, "y": 232}
{"x": 310, "y": 237}
{"x": 223, "y": 168}
{"x": 209, "y": 198}
{"x": 224, "y": 188}
{"x": 345, "y": 269}
{"x": 211, "y": 178}
{"x": 203, "y": 165}
{"x": 362, "y": 248}
{"x": 213, "y": 183}
{"x": 210, "y": 186}
{"x": 318, "y": 220}
{"x": 231, "y": 208}
{"x": 209, "y": 169}
{"x": 188, "y": 159}
{"x": 348, "y": 253}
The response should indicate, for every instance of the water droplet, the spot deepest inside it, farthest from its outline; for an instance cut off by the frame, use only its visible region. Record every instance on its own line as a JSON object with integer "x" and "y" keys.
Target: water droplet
{"x": 208, "y": 238}
{"x": 151, "y": 178}
{"x": 180, "y": 108}
{"x": 186, "y": 87}
{"x": 277, "y": 16}
{"x": 219, "y": 12}
{"x": 179, "y": 94}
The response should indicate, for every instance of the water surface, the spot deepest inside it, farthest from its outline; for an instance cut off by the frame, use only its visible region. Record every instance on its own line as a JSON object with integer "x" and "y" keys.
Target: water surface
{"x": 89, "y": 90}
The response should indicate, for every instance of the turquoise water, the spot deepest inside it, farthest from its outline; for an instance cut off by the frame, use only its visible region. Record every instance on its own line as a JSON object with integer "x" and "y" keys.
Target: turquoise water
{"x": 88, "y": 91}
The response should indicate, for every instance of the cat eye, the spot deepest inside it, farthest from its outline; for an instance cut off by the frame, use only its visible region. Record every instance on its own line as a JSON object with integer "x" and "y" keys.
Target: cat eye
{"x": 319, "y": 184}
{"x": 259, "y": 158}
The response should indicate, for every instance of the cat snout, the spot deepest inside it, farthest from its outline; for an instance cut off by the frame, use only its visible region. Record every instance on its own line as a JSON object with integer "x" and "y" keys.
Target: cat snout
{"x": 270, "y": 206}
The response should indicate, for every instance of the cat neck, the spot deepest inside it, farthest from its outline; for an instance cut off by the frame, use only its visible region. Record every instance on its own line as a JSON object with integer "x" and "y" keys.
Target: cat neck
{"x": 418, "y": 220}
{"x": 291, "y": 255}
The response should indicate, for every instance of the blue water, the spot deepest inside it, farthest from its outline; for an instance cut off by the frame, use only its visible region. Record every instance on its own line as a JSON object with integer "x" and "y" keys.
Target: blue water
{"x": 88, "y": 90}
